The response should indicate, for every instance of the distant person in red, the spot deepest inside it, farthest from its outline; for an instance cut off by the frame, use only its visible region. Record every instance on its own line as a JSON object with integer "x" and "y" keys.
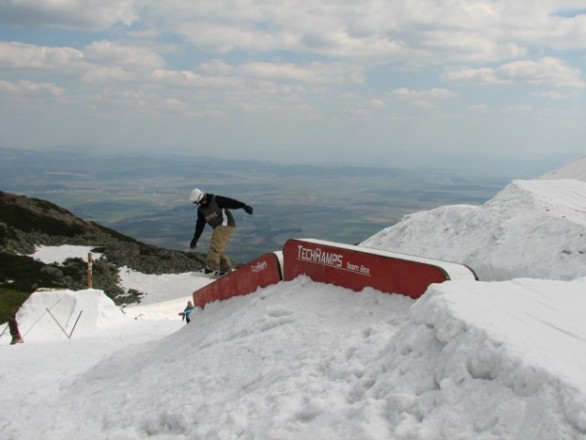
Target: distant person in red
{"x": 13, "y": 325}
{"x": 215, "y": 211}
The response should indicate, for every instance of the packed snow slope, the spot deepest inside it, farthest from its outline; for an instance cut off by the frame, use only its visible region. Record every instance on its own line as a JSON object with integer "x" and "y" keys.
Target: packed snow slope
{"x": 574, "y": 170}
{"x": 532, "y": 228}
{"x": 302, "y": 360}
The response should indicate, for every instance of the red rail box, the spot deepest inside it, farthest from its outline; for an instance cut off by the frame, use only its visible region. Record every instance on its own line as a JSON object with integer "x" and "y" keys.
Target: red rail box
{"x": 357, "y": 267}
{"x": 261, "y": 272}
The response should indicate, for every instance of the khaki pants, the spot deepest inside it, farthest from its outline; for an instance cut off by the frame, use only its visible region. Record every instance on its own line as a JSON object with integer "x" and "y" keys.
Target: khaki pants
{"x": 216, "y": 258}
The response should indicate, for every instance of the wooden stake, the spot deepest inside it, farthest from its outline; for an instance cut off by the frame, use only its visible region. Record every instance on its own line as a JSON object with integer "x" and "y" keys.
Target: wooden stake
{"x": 89, "y": 270}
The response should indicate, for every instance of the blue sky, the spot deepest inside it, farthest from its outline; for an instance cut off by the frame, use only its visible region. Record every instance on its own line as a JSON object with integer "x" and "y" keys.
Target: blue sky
{"x": 352, "y": 80}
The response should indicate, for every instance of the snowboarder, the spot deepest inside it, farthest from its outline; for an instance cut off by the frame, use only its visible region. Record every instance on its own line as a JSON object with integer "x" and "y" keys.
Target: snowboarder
{"x": 186, "y": 312}
{"x": 215, "y": 211}
{"x": 13, "y": 325}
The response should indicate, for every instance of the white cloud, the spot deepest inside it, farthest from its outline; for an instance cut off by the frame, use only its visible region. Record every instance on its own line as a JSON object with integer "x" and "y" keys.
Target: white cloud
{"x": 424, "y": 94}
{"x": 216, "y": 67}
{"x": 547, "y": 70}
{"x": 189, "y": 78}
{"x": 333, "y": 73}
{"x": 556, "y": 95}
{"x": 423, "y": 98}
{"x": 544, "y": 71}
{"x": 282, "y": 80}
{"x": 320, "y": 60}
{"x": 176, "y": 105}
{"x": 419, "y": 32}
{"x": 117, "y": 54}
{"x": 16, "y": 55}
{"x": 31, "y": 88}
{"x": 98, "y": 62}
{"x": 70, "y": 14}
{"x": 377, "y": 103}
{"x": 550, "y": 29}
{"x": 221, "y": 37}
{"x": 504, "y": 111}
{"x": 106, "y": 75}
{"x": 484, "y": 75}
{"x": 281, "y": 71}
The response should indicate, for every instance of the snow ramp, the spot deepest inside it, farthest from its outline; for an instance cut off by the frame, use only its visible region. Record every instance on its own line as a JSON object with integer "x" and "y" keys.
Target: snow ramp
{"x": 63, "y": 314}
{"x": 351, "y": 267}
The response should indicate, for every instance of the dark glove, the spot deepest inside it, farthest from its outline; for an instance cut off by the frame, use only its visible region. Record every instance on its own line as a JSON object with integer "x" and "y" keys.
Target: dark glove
{"x": 248, "y": 209}
{"x": 193, "y": 243}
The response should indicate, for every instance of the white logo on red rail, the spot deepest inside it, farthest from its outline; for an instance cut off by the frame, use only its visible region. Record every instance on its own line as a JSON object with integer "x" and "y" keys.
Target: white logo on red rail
{"x": 332, "y": 259}
{"x": 319, "y": 256}
{"x": 260, "y": 266}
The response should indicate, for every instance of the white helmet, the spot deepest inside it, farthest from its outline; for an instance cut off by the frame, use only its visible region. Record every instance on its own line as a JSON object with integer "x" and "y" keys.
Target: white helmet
{"x": 196, "y": 195}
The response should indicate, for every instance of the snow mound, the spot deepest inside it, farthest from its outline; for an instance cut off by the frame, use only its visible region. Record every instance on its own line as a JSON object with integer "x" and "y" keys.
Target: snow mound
{"x": 52, "y": 314}
{"x": 305, "y": 360}
{"x": 290, "y": 361}
{"x": 532, "y": 228}
{"x": 491, "y": 361}
{"x": 573, "y": 170}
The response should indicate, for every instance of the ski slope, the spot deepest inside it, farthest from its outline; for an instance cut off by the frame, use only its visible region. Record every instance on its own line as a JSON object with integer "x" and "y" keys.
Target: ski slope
{"x": 501, "y": 358}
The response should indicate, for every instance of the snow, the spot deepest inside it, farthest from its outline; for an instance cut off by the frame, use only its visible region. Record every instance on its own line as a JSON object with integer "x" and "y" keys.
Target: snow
{"x": 58, "y": 254}
{"x": 160, "y": 288}
{"x": 532, "y": 228}
{"x": 501, "y": 358}
{"x": 574, "y": 170}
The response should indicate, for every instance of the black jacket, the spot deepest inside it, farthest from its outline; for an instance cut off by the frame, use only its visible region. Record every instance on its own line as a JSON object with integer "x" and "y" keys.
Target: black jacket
{"x": 215, "y": 212}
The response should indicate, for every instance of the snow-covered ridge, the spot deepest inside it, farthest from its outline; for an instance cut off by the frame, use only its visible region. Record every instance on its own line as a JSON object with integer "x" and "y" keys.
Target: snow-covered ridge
{"x": 532, "y": 228}
{"x": 574, "y": 170}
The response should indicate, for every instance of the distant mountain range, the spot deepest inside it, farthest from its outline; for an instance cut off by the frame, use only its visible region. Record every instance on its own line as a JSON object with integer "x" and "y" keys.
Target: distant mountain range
{"x": 144, "y": 195}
